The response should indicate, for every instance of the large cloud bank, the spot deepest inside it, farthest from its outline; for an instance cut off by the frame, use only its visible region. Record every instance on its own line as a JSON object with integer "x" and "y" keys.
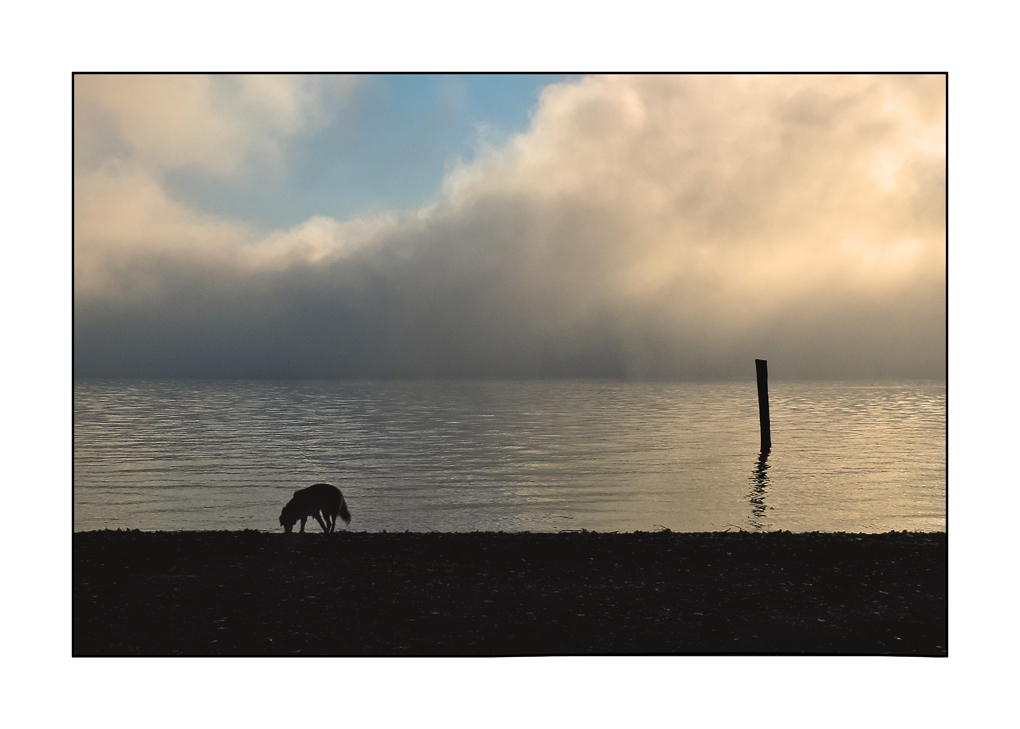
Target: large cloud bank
{"x": 644, "y": 226}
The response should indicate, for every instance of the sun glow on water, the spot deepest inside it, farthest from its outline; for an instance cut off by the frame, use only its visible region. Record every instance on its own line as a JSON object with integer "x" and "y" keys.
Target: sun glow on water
{"x": 513, "y": 456}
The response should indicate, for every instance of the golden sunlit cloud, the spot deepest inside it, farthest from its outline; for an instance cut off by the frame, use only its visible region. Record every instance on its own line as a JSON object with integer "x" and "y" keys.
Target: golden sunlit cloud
{"x": 220, "y": 125}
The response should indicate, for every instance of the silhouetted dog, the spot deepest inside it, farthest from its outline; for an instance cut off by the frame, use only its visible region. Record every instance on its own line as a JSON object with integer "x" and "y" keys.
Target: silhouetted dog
{"x": 322, "y": 497}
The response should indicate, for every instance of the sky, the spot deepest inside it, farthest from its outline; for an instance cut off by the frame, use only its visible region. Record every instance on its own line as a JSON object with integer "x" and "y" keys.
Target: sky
{"x": 510, "y": 226}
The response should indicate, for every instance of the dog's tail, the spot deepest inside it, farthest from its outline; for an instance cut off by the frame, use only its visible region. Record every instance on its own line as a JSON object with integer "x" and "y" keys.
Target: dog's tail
{"x": 344, "y": 513}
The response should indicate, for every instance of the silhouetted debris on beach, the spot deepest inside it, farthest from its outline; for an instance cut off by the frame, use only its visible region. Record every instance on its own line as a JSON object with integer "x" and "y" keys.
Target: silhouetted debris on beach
{"x": 350, "y": 593}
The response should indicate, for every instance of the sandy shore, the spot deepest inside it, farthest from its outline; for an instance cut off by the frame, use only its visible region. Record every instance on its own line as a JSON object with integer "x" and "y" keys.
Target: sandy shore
{"x": 253, "y": 593}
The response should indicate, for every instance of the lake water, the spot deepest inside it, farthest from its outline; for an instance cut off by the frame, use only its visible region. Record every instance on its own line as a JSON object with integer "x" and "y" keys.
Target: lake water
{"x": 512, "y": 456}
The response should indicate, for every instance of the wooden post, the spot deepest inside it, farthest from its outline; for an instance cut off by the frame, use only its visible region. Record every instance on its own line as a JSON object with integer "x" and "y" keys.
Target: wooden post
{"x": 762, "y": 368}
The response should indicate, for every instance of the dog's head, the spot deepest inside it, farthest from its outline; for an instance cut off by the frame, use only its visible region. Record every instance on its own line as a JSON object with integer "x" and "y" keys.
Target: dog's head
{"x": 287, "y": 520}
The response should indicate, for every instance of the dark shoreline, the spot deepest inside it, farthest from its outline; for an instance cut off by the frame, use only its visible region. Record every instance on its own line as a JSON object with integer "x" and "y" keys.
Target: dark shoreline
{"x": 254, "y": 593}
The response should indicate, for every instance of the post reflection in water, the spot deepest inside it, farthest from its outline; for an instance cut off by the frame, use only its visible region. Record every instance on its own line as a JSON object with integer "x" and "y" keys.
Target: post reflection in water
{"x": 759, "y": 484}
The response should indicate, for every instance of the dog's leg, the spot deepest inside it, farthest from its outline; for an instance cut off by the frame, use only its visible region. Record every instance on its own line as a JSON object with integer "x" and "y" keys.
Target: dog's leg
{"x": 303, "y": 520}
{"x": 319, "y": 519}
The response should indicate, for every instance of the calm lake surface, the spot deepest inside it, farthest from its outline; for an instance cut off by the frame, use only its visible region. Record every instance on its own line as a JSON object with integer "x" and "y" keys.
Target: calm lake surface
{"x": 512, "y": 456}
